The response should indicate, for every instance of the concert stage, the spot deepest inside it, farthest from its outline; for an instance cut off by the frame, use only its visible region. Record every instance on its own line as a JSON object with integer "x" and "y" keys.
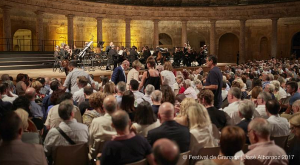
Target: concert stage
{"x": 48, "y": 72}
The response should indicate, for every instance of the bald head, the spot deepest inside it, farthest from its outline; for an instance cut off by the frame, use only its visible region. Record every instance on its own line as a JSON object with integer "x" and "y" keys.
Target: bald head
{"x": 30, "y": 93}
{"x": 120, "y": 120}
{"x": 166, "y": 112}
{"x": 165, "y": 152}
{"x": 110, "y": 104}
{"x": 125, "y": 64}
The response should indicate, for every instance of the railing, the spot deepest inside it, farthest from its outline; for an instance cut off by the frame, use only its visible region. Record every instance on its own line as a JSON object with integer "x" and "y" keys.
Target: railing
{"x": 9, "y": 44}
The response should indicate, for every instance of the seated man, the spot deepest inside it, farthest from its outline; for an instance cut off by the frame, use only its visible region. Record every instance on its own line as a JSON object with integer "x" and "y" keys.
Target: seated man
{"x": 77, "y": 132}
{"x": 170, "y": 129}
{"x": 126, "y": 147}
{"x": 279, "y": 125}
{"x": 234, "y": 97}
{"x": 148, "y": 90}
{"x": 6, "y": 93}
{"x": 78, "y": 96}
{"x": 35, "y": 109}
{"x": 88, "y": 91}
{"x": 134, "y": 86}
{"x": 156, "y": 100}
{"x": 12, "y": 149}
{"x": 261, "y": 146}
{"x": 262, "y": 98}
{"x": 165, "y": 152}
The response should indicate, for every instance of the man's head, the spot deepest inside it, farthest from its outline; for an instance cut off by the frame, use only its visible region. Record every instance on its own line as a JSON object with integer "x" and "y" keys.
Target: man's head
{"x": 82, "y": 81}
{"x": 54, "y": 85}
{"x": 120, "y": 121}
{"x": 125, "y": 64}
{"x": 166, "y": 112}
{"x": 88, "y": 90}
{"x": 263, "y": 97}
{"x": 65, "y": 110}
{"x": 72, "y": 65}
{"x": 296, "y": 106}
{"x": 291, "y": 87}
{"x": 156, "y": 96}
{"x": 259, "y": 130}
{"x": 4, "y": 77}
{"x": 10, "y": 127}
{"x": 110, "y": 104}
{"x": 149, "y": 89}
{"x": 121, "y": 87}
{"x": 269, "y": 88}
{"x": 30, "y": 93}
{"x": 165, "y": 152}
{"x": 272, "y": 107}
{"x": 206, "y": 97}
{"x": 134, "y": 85}
{"x": 211, "y": 60}
{"x": 232, "y": 140}
{"x": 4, "y": 89}
{"x": 246, "y": 109}
{"x": 65, "y": 96}
{"x": 234, "y": 94}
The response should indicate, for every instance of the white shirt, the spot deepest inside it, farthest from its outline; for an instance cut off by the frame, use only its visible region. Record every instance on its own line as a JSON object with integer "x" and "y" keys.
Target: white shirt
{"x": 190, "y": 93}
{"x": 279, "y": 126}
{"x": 8, "y": 99}
{"x": 281, "y": 93}
{"x": 137, "y": 95}
{"x": 233, "y": 111}
{"x": 144, "y": 98}
{"x": 261, "y": 109}
{"x": 143, "y": 129}
{"x": 78, "y": 96}
{"x": 168, "y": 78}
{"x": 133, "y": 74}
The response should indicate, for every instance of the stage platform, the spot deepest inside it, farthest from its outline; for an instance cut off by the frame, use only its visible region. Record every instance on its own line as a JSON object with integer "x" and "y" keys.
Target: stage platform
{"x": 48, "y": 72}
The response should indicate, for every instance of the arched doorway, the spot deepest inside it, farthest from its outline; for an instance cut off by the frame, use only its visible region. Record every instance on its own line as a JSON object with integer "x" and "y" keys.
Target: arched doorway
{"x": 296, "y": 45}
{"x": 264, "y": 51}
{"x": 22, "y": 40}
{"x": 228, "y": 48}
{"x": 165, "y": 40}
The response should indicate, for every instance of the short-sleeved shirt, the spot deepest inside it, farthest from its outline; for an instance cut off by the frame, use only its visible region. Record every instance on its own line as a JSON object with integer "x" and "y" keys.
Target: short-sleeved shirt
{"x": 294, "y": 98}
{"x": 125, "y": 151}
{"x": 215, "y": 78}
{"x": 72, "y": 79}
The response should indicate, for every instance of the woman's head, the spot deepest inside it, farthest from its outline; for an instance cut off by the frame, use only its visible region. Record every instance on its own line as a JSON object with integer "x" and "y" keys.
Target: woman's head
{"x": 55, "y": 95}
{"x": 168, "y": 66}
{"x": 23, "y": 103}
{"x": 20, "y": 77}
{"x": 109, "y": 88}
{"x": 37, "y": 86}
{"x": 295, "y": 125}
{"x": 232, "y": 140}
{"x": 127, "y": 103}
{"x": 136, "y": 64}
{"x": 197, "y": 116}
{"x": 187, "y": 102}
{"x": 255, "y": 92}
{"x": 24, "y": 117}
{"x": 144, "y": 114}
{"x": 167, "y": 94}
{"x": 96, "y": 100}
{"x": 150, "y": 62}
{"x": 256, "y": 82}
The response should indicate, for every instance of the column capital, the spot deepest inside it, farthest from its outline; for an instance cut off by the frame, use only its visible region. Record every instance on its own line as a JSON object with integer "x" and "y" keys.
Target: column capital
{"x": 39, "y": 12}
{"x": 99, "y": 18}
{"x": 6, "y": 8}
{"x": 127, "y": 20}
{"x": 70, "y": 16}
{"x": 274, "y": 19}
{"x": 184, "y": 21}
{"x": 243, "y": 20}
{"x": 156, "y": 20}
{"x": 212, "y": 20}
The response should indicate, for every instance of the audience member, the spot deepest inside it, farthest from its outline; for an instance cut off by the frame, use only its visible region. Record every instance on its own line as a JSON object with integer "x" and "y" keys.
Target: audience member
{"x": 21, "y": 85}
{"x": 119, "y": 72}
{"x": 165, "y": 152}
{"x": 151, "y": 76}
{"x": 170, "y": 129}
{"x": 234, "y": 96}
{"x": 294, "y": 151}
{"x": 178, "y": 85}
{"x": 35, "y": 109}
{"x": 189, "y": 90}
{"x": 167, "y": 94}
{"x": 126, "y": 147}
{"x": 270, "y": 88}
{"x": 182, "y": 117}
{"x": 96, "y": 103}
{"x": 292, "y": 88}
{"x": 85, "y": 105}
{"x": 168, "y": 77}
{"x": 262, "y": 149}
{"x": 6, "y": 95}
{"x": 133, "y": 74}
{"x": 12, "y": 149}
{"x": 109, "y": 89}
{"x": 46, "y": 102}
{"x": 147, "y": 97}
{"x": 133, "y": 86}
{"x": 128, "y": 104}
{"x": 261, "y": 101}
{"x": 121, "y": 88}
{"x": 279, "y": 125}
{"x": 78, "y": 96}
{"x": 156, "y": 97}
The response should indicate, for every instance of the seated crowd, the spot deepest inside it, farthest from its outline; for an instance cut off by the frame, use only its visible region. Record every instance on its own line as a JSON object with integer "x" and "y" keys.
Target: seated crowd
{"x": 162, "y": 116}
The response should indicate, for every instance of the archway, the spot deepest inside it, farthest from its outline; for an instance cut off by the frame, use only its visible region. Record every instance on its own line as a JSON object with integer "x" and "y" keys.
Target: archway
{"x": 22, "y": 40}
{"x": 228, "y": 48}
{"x": 296, "y": 45}
{"x": 165, "y": 40}
{"x": 264, "y": 51}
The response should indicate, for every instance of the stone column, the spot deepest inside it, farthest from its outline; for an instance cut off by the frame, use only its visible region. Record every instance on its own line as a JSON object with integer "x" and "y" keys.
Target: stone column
{"x": 184, "y": 33}
{"x": 7, "y": 28}
{"x": 39, "y": 30}
{"x": 155, "y": 34}
{"x": 127, "y": 33}
{"x": 99, "y": 29}
{"x": 212, "y": 37}
{"x": 242, "y": 41}
{"x": 274, "y": 37}
{"x": 70, "y": 30}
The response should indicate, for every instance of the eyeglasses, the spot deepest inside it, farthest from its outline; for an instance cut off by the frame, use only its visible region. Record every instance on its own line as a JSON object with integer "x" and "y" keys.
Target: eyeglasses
{"x": 249, "y": 132}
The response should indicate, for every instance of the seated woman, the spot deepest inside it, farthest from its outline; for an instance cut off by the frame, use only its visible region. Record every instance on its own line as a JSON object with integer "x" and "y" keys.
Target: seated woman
{"x": 167, "y": 94}
{"x": 232, "y": 141}
{"x": 96, "y": 102}
{"x": 109, "y": 89}
{"x": 181, "y": 118}
{"x": 145, "y": 119}
{"x": 127, "y": 104}
{"x": 200, "y": 128}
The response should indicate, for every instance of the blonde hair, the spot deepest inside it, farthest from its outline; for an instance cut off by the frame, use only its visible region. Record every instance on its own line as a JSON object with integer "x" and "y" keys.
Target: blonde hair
{"x": 109, "y": 88}
{"x": 296, "y": 104}
{"x": 96, "y": 100}
{"x": 187, "y": 102}
{"x": 198, "y": 116}
{"x": 37, "y": 85}
{"x": 295, "y": 120}
{"x": 168, "y": 66}
{"x": 24, "y": 117}
{"x": 136, "y": 64}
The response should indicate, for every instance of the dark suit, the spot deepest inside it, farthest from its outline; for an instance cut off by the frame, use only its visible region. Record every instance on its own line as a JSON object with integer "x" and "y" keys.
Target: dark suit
{"x": 118, "y": 75}
{"x": 173, "y": 131}
{"x": 244, "y": 125}
{"x": 113, "y": 57}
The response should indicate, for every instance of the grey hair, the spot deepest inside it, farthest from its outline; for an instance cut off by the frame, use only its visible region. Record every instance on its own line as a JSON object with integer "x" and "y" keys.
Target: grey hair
{"x": 276, "y": 83}
{"x": 271, "y": 87}
{"x": 188, "y": 82}
{"x": 121, "y": 86}
{"x": 65, "y": 109}
{"x": 296, "y": 103}
{"x": 246, "y": 108}
{"x": 149, "y": 89}
{"x": 180, "y": 77}
{"x": 271, "y": 77}
{"x": 156, "y": 95}
{"x": 265, "y": 96}
{"x": 196, "y": 82}
{"x": 236, "y": 92}
{"x": 260, "y": 126}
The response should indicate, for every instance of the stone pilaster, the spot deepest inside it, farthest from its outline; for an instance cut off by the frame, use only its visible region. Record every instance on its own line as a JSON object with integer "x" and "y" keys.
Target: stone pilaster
{"x": 242, "y": 41}
{"x": 70, "y": 30}
{"x": 155, "y": 34}
{"x": 274, "y": 37}
{"x": 99, "y": 29}
{"x": 212, "y": 37}
{"x": 39, "y": 29}
{"x": 7, "y": 28}
{"x": 127, "y": 33}
{"x": 184, "y": 33}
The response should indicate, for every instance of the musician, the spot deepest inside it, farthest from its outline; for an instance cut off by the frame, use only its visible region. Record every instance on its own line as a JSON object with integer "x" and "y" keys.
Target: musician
{"x": 63, "y": 53}
{"x": 178, "y": 54}
{"x": 56, "y": 53}
{"x": 113, "y": 56}
{"x": 187, "y": 57}
{"x": 108, "y": 47}
{"x": 133, "y": 54}
{"x": 69, "y": 52}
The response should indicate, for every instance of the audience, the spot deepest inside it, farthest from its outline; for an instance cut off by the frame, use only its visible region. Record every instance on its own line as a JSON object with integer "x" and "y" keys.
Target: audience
{"x": 279, "y": 125}
{"x": 12, "y": 149}
{"x": 133, "y": 74}
{"x": 151, "y": 76}
{"x": 126, "y": 147}
{"x": 156, "y": 97}
{"x": 165, "y": 152}
{"x": 292, "y": 89}
{"x": 168, "y": 77}
{"x": 261, "y": 148}
{"x": 145, "y": 119}
{"x": 170, "y": 129}
{"x": 295, "y": 149}
{"x": 189, "y": 90}
{"x": 182, "y": 117}
{"x": 167, "y": 94}
{"x": 119, "y": 73}
{"x": 77, "y": 132}
{"x": 234, "y": 96}
{"x": 6, "y": 93}
{"x": 109, "y": 88}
